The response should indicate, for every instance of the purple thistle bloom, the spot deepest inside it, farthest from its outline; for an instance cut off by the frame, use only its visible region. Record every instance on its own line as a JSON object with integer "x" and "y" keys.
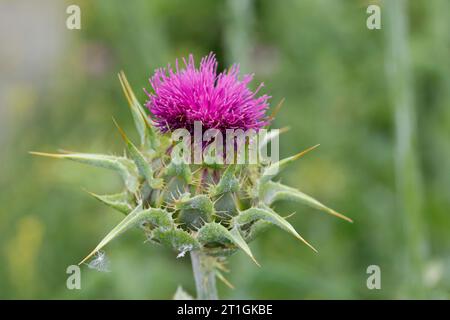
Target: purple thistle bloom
{"x": 221, "y": 101}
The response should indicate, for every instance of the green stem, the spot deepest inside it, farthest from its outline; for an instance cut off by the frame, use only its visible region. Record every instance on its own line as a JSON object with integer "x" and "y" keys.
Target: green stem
{"x": 408, "y": 174}
{"x": 204, "y": 275}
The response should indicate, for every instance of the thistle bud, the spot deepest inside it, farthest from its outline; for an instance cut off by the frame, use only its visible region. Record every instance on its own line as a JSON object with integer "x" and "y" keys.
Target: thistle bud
{"x": 214, "y": 210}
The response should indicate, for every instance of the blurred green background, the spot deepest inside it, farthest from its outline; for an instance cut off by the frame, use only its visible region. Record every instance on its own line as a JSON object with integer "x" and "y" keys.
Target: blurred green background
{"x": 378, "y": 102}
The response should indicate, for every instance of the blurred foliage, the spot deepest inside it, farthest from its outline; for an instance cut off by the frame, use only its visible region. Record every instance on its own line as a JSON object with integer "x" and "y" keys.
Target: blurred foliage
{"x": 334, "y": 74}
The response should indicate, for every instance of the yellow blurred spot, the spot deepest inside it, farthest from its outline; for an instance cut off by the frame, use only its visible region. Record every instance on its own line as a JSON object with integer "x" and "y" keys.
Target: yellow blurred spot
{"x": 22, "y": 251}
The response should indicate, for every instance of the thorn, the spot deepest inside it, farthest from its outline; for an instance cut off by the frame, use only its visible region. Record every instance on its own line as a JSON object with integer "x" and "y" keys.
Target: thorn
{"x": 225, "y": 213}
{"x": 220, "y": 197}
{"x": 148, "y": 122}
{"x": 302, "y": 153}
{"x": 284, "y": 129}
{"x": 203, "y": 221}
{"x": 339, "y": 215}
{"x": 87, "y": 257}
{"x": 224, "y": 280}
{"x": 122, "y": 133}
{"x": 276, "y": 109}
{"x": 44, "y": 154}
{"x": 125, "y": 86}
{"x": 236, "y": 202}
{"x": 306, "y": 242}
{"x": 90, "y": 193}
{"x": 254, "y": 260}
{"x": 221, "y": 266}
{"x": 290, "y": 215}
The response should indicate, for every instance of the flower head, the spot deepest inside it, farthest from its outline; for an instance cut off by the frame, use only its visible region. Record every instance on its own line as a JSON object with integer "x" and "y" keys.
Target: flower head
{"x": 220, "y": 101}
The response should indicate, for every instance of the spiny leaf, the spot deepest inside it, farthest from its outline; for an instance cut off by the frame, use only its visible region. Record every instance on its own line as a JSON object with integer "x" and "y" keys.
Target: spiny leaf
{"x": 216, "y": 233}
{"x": 271, "y": 192}
{"x": 175, "y": 238}
{"x": 125, "y": 167}
{"x": 157, "y": 217}
{"x": 269, "y": 215}
{"x": 240, "y": 242}
{"x": 126, "y": 223}
{"x": 118, "y": 201}
{"x": 142, "y": 164}
{"x": 228, "y": 182}
{"x": 272, "y": 170}
{"x": 145, "y": 130}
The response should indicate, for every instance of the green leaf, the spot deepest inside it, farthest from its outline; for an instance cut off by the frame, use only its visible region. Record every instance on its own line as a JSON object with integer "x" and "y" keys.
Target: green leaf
{"x": 272, "y": 170}
{"x": 227, "y": 183}
{"x": 271, "y": 192}
{"x": 141, "y": 121}
{"x": 125, "y": 167}
{"x": 157, "y": 217}
{"x": 142, "y": 164}
{"x": 240, "y": 242}
{"x": 175, "y": 238}
{"x": 267, "y": 214}
{"x": 119, "y": 201}
{"x": 216, "y": 233}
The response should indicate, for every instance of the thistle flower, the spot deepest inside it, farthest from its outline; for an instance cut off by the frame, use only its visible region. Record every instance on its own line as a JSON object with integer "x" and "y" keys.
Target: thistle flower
{"x": 210, "y": 212}
{"x": 220, "y": 101}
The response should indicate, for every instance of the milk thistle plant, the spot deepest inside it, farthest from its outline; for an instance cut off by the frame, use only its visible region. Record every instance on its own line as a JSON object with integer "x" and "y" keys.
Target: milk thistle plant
{"x": 203, "y": 197}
